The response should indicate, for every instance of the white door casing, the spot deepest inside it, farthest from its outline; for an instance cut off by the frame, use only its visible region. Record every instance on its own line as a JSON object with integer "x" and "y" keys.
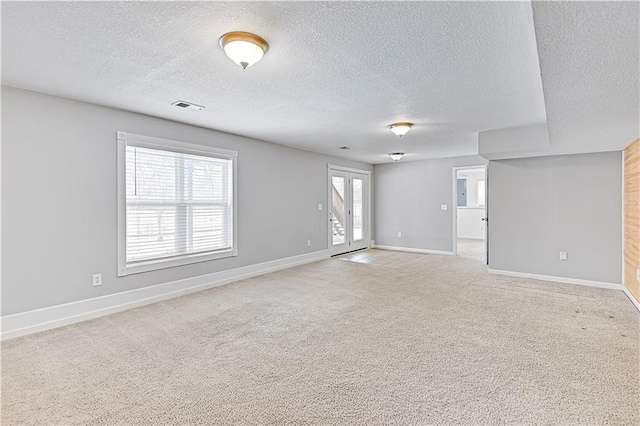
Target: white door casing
{"x": 349, "y": 209}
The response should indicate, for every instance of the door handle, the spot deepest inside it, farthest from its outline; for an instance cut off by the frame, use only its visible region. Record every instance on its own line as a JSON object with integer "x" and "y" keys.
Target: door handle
{"x": 486, "y": 219}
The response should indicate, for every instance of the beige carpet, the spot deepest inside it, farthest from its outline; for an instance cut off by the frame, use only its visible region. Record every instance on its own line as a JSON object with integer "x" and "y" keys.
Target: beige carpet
{"x": 373, "y": 338}
{"x": 474, "y": 249}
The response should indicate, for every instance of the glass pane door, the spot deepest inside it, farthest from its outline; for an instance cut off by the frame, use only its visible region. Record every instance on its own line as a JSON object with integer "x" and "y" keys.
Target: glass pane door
{"x": 349, "y": 215}
{"x": 357, "y": 208}
{"x": 338, "y": 209}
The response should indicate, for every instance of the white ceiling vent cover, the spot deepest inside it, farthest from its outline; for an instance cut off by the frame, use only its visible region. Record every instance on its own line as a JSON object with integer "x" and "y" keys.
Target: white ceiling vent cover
{"x": 187, "y": 105}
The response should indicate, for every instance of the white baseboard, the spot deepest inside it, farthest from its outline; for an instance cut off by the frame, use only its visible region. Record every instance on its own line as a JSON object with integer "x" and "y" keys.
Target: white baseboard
{"x": 413, "y": 250}
{"x": 630, "y": 296}
{"x": 69, "y": 313}
{"x": 564, "y": 280}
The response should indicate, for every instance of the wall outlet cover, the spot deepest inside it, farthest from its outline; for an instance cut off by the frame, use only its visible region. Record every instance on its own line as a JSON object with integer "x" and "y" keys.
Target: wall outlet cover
{"x": 444, "y": 207}
{"x": 97, "y": 280}
{"x": 399, "y": 234}
{"x": 563, "y": 255}
{"x": 319, "y": 206}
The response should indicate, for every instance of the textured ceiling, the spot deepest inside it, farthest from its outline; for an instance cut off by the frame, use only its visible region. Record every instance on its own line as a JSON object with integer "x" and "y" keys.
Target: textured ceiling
{"x": 589, "y": 59}
{"x": 336, "y": 73}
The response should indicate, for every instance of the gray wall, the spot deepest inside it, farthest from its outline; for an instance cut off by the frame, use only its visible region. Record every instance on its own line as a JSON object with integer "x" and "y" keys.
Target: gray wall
{"x": 407, "y": 198}
{"x": 59, "y": 199}
{"x": 513, "y": 142}
{"x": 541, "y": 206}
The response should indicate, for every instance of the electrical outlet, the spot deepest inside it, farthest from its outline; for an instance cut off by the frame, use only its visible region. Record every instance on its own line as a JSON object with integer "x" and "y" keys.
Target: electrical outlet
{"x": 319, "y": 206}
{"x": 563, "y": 255}
{"x": 97, "y": 280}
{"x": 308, "y": 243}
{"x": 444, "y": 207}
{"x": 399, "y": 234}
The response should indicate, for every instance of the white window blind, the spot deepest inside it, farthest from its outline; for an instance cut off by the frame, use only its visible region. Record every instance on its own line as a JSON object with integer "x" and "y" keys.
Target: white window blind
{"x": 179, "y": 204}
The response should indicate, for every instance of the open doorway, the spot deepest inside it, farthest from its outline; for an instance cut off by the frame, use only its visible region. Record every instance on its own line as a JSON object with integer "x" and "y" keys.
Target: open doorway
{"x": 470, "y": 212}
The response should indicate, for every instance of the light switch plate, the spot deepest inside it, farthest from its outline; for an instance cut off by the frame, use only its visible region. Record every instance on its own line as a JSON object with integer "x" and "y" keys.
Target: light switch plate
{"x": 399, "y": 234}
{"x": 444, "y": 207}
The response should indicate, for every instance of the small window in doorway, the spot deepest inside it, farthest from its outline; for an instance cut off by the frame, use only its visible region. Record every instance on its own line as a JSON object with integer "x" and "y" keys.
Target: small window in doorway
{"x": 481, "y": 193}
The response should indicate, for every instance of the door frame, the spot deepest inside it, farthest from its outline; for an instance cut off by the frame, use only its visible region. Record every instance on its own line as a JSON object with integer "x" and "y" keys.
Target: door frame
{"x": 368, "y": 205}
{"x": 454, "y": 207}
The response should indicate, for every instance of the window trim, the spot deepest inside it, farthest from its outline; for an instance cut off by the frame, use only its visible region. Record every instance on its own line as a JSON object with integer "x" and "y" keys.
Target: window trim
{"x": 130, "y": 139}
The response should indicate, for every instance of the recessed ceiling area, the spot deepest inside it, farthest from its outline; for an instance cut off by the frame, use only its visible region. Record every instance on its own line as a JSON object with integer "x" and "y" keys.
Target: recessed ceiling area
{"x": 589, "y": 56}
{"x": 336, "y": 73}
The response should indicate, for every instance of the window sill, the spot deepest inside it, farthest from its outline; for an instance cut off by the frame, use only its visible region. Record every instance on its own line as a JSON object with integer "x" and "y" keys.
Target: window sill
{"x": 153, "y": 265}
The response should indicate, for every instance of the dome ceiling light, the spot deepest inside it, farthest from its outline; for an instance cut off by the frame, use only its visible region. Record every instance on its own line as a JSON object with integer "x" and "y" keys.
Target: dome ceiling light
{"x": 245, "y": 49}
{"x": 395, "y": 156}
{"x": 400, "y": 129}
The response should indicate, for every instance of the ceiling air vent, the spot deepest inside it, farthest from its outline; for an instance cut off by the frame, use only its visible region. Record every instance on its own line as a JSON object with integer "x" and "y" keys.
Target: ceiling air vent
{"x": 187, "y": 105}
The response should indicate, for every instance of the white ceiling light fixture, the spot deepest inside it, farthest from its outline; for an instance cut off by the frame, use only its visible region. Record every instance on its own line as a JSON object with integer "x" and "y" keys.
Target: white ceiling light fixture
{"x": 400, "y": 129}
{"x": 395, "y": 156}
{"x": 245, "y": 49}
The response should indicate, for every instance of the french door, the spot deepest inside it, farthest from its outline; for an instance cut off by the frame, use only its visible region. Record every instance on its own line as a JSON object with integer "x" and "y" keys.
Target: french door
{"x": 348, "y": 211}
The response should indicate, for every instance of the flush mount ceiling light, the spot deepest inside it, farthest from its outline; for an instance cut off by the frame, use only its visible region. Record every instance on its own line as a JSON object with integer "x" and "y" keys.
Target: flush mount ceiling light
{"x": 400, "y": 129}
{"x": 395, "y": 156}
{"x": 245, "y": 49}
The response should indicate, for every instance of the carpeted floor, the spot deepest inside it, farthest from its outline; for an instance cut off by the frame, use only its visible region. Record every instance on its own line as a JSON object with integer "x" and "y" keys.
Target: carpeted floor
{"x": 369, "y": 338}
{"x": 474, "y": 249}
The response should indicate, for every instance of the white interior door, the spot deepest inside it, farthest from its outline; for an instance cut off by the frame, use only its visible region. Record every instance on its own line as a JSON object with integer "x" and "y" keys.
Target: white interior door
{"x": 349, "y": 211}
{"x": 486, "y": 215}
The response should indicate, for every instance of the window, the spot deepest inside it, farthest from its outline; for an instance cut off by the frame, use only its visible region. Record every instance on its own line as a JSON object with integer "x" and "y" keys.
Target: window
{"x": 481, "y": 194}
{"x": 176, "y": 203}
